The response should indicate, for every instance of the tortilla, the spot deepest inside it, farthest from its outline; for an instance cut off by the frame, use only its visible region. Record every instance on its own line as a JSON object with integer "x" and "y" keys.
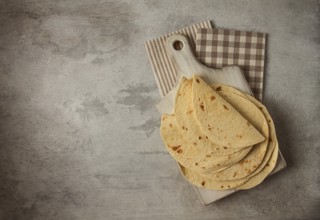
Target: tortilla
{"x": 255, "y": 157}
{"x": 240, "y": 184}
{"x": 198, "y": 180}
{"x": 206, "y": 163}
{"x": 219, "y": 120}
{"x": 255, "y": 177}
{"x": 272, "y": 132}
{"x": 189, "y": 127}
{"x": 259, "y": 177}
{"x": 199, "y": 159}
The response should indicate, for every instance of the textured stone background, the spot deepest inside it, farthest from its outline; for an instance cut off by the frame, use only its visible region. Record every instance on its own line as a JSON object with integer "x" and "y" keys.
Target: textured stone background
{"x": 79, "y": 135}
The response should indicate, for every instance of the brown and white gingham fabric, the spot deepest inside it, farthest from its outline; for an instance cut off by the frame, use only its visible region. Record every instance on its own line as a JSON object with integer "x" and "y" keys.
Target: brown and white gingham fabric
{"x": 217, "y": 48}
{"x": 163, "y": 69}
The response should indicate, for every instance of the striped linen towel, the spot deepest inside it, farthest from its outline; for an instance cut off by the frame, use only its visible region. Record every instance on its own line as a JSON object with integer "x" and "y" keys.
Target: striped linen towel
{"x": 163, "y": 69}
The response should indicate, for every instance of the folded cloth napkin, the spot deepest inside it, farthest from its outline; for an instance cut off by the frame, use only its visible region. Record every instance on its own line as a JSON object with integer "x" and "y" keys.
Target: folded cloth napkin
{"x": 217, "y": 48}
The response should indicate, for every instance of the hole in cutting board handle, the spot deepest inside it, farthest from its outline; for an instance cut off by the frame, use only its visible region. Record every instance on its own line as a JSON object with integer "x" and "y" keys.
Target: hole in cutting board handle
{"x": 177, "y": 45}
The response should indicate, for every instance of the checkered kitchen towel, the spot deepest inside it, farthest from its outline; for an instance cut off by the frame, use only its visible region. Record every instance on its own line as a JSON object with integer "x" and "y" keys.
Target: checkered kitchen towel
{"x": 217, "y": 48}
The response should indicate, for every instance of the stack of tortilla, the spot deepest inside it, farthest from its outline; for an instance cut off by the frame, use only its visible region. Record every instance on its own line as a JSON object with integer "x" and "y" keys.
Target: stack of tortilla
{"x": 221, "y": 137}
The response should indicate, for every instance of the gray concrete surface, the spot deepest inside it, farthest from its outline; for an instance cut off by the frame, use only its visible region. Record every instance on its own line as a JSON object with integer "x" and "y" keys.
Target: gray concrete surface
{"x": 79, "y": 135}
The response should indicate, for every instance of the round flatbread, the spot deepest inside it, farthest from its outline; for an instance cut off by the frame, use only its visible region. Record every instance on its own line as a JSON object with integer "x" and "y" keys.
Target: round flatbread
{"x": 219, "y": 120}
{"x": 240, "y": 184}
{"x": 259, "y": 177}
{"x": 272, "y": 132}
{"x": 255, "y": 157}
{"x": 189, "y": 126}
{"x": 198, "y": 180}
{"x": 204, "y": 166}
{"x": 199, "y": 159}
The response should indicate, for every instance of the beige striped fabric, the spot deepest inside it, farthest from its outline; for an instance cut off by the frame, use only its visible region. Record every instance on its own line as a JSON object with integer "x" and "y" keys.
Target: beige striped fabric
{"x": 163, "y": 68}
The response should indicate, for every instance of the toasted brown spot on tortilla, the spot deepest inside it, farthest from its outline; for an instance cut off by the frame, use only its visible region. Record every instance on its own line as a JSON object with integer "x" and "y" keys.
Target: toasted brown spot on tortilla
{"x": 208, "y": 155}
{"x": 218, "y": 88}
{"x": 203, "y": 183}
{"x": 225, "y": 147}
{"x": 194, "y": 143}
{"x": 267, "y": 165}
{"x": 221, "y": 187}
{"x": 235, "y": 174}
{"x": 229, "y": 186}
{"x": 186, "y": 129}
{"x": 218, "y": 164}
{"x": 197, "y": 80}
{"x": 202, "y": 106}
{"x": 269, "y": 121}
{"x": 200, "y": 137}
{"x": 189, "y": 112}
{"x": 179, "y": 151}
{"x": 179, "y": 94}
{"x": 175, "y": 147}
{"x": 196, "y": 164}
{"x": 254, "y": 166}
{"x": 212, "y": 98}
{"x": 206, "y": 137}
{"x": 203, "y": 168}
{"x": 183, "y": 127}
{"x": 209, "y": 129}
{"x": 164, "y": 118}
{"x": 225, "y": 107}
{"x": 170, "y": 125}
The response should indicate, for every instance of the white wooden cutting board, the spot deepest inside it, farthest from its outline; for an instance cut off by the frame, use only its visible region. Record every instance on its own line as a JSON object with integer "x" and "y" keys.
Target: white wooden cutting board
{"x": 180, "y": 52}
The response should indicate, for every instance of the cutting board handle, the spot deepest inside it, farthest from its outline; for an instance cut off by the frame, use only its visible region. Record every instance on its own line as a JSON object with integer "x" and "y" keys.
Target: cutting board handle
{"x": 179, "y": 49}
